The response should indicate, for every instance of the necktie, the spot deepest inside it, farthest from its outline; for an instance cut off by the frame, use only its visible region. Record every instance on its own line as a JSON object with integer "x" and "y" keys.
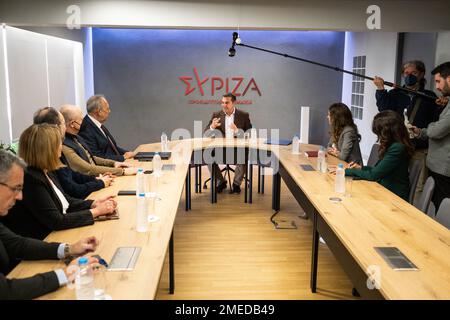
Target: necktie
{"x": 111, "y": 143}
{"x": 86, "y": 151}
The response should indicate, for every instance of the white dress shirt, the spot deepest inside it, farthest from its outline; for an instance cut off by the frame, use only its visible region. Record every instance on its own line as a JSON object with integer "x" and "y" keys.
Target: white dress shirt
{"x": 97, "y": 123}
{"x": 61, "y": 197}
{"x": 229, "y": 119}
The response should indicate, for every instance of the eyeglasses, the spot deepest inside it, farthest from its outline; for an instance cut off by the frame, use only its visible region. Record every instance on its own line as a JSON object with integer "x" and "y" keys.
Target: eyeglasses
{"x": 18, "y": 189}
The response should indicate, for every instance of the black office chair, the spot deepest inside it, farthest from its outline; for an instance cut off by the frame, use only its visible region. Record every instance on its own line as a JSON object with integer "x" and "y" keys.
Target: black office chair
{"x": 373, "y": 157}
{"x": 227, "y": 170}
{"x": 415, "y": 169}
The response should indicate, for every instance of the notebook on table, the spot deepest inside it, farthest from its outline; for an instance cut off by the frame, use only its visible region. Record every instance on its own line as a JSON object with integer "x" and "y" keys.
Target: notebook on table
{"x": 313, "y": 154}
{"x": 105, "y": 217}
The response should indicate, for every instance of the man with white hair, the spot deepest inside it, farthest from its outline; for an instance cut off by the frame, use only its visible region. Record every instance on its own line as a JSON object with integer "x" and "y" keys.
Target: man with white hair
{"x": 98, "y": 138}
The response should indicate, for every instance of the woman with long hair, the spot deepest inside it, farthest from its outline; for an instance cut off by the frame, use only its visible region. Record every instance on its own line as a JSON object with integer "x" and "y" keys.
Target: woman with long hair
{"x": 344, "y": 136}
{"x": 394, "y": 153}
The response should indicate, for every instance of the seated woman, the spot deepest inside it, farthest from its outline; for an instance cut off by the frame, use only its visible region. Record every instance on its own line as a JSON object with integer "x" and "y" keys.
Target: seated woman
{"x": 394, "y": 152}
{"x": 344, "y": 140}
{"x": 45, "y": 207}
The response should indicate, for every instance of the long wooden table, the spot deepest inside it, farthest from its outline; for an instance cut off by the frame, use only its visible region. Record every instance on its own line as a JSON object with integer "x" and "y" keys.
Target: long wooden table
{"x": 372, "y": 217}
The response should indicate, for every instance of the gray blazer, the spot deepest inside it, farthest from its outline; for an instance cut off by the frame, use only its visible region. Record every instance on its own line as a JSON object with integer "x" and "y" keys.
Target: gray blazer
{"x": 348, "y": 146}
{"x": 438, "y": 133}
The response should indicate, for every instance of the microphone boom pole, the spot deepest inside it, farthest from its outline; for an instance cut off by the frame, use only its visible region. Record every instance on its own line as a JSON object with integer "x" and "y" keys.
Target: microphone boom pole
{"x": 387, "y": 83}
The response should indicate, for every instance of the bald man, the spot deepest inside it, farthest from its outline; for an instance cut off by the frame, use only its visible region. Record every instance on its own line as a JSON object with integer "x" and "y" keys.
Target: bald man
{"x": 77, "y": 152}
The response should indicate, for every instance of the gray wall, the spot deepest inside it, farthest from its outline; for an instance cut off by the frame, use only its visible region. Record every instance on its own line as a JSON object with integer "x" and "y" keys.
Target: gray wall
{"x": 421, "y": 46}
{"x": 138, "y": 70}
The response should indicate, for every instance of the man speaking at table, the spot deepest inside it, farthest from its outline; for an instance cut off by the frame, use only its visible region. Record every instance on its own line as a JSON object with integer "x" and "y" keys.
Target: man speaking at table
{"x": 229, "y": 121}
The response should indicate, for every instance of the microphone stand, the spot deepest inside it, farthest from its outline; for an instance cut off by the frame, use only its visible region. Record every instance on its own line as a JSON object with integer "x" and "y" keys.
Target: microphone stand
{"x": 387, "y": 83}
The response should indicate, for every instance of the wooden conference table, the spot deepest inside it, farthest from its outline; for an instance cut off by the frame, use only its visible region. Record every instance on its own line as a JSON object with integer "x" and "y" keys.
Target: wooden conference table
{"x": 372, "y": 217}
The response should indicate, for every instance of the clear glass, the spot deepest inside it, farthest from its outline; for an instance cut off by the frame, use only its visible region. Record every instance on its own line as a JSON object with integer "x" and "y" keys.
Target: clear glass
{"x": 151, "y": 206}
{"x": 246, "y": 136}
{"x": 348, "y": 186}
{"x": 100, "y": 283}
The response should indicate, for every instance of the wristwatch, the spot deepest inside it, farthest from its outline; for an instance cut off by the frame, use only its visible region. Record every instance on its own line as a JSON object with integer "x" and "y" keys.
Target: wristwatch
{"x": 66, "y": 251}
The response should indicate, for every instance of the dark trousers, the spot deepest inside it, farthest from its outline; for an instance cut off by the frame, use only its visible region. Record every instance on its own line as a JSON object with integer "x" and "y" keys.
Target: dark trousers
{"x": 441, "y": 189}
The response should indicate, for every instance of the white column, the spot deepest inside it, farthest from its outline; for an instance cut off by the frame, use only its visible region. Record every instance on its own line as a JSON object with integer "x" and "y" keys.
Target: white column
{"x": 304, "y": 125}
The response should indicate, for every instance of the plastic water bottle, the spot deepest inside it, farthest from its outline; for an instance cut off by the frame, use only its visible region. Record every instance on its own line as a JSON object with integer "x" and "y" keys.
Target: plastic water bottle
{"x": 253, "y": 135}
{"x": 295, "y": 145}
{"x": 339, "y": 185}
{"x": 84, "y": 281}
{"x": 321, "y": 160}
{"x": 140, "y": 181}
{"x": 157, "y": 164}
{"x": 141, "y": 213}
{"x": 164, "y": 144}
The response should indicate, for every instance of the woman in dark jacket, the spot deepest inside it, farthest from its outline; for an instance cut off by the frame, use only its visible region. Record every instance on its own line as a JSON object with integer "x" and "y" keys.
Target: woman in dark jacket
{"x": 344, "y": 136}
{"x": 45, "y": 207}
{"x": 394, "y": 153}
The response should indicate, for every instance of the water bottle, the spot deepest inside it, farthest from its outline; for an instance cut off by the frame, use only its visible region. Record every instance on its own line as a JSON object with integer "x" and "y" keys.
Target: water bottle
{"x": 407, "y": 124}
{"x": 253, "y": 135}
{"x": 141, "y": 213}
{"x": 140, "y": 181}
{"x": 295, "y": 145}
{"x": 157, "y": 164}
{"x": 324, "y": 165}
{"x": 84, "y": 281}
{"x": 339, "y": 185}
{"x": 164, "y": 144}
{"x": 321, "y": 160}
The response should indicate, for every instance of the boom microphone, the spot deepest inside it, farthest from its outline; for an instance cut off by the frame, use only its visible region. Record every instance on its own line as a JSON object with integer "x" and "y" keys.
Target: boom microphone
{"x": 232, "y": 50}
{"x": 237, "y": 41}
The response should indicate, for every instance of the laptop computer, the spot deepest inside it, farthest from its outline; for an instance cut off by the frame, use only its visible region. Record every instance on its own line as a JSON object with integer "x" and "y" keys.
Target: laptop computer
{"x": 281, "y": 142}
{"x": 148, "y": 156}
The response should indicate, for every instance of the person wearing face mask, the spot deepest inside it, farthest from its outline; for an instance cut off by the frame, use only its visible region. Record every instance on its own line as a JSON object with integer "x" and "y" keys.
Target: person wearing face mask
{"x": 420, "y": 111}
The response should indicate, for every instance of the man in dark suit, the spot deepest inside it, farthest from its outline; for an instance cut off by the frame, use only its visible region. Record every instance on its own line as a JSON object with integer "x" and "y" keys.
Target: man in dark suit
{"x": 231, "y": 122}
{"x": 14, "y": 247}
{"x": 98, "y": 138}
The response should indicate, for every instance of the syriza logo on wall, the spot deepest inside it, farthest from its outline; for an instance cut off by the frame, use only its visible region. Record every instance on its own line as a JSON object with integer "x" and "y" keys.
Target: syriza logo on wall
{"x": 202, "y": 89}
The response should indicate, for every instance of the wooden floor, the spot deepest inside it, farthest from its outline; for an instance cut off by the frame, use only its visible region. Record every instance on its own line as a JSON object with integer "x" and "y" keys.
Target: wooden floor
{"x": 230, "y": 250}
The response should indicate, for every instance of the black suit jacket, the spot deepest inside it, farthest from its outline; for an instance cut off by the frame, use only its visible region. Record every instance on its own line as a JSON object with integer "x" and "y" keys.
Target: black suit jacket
{"x": 40, "y": 211}
{"x": 76, "y": 184}
{"x": 241, "y": 120}
{"x": 97, "y": 142}
{"x": 12, "y": 247}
